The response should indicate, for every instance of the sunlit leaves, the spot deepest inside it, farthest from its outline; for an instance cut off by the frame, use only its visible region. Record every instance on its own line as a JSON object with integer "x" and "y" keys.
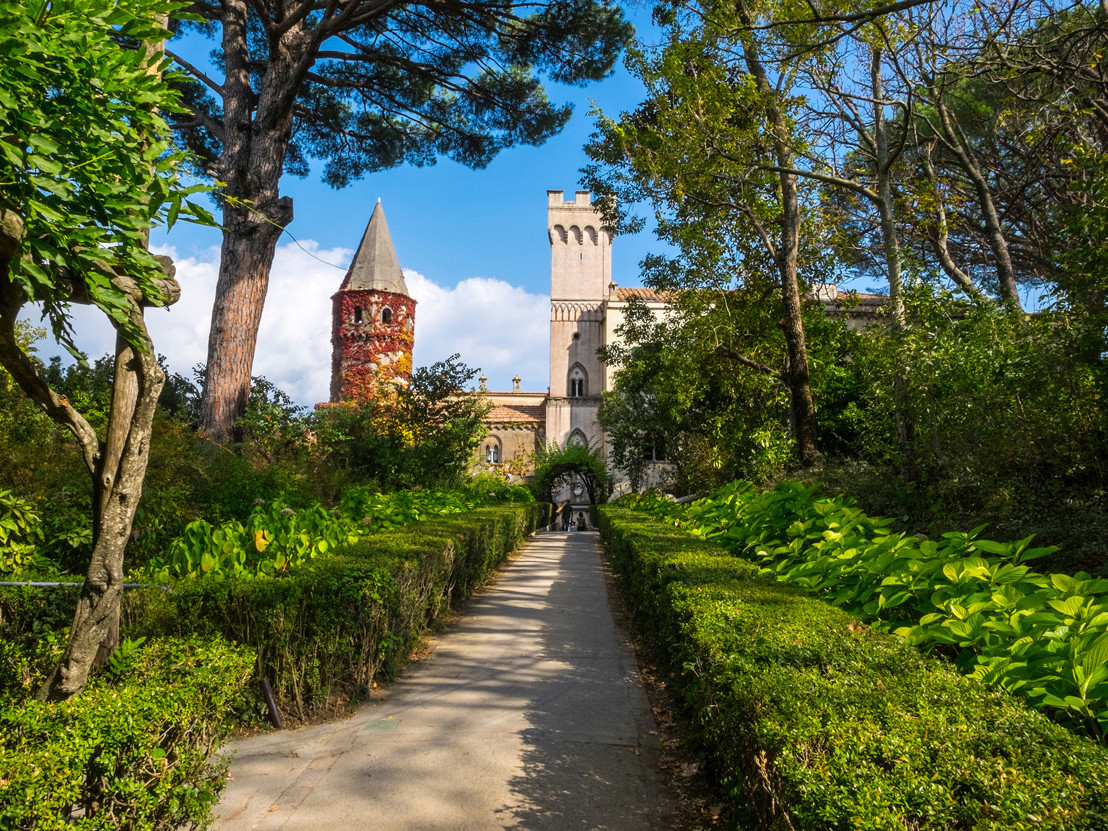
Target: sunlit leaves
{"x": 85, "y": 156}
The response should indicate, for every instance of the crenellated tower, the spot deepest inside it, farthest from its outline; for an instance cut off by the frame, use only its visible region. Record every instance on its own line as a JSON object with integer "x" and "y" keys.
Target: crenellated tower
{"x": 373, "y": 322}
{"x": 580, "y": 271}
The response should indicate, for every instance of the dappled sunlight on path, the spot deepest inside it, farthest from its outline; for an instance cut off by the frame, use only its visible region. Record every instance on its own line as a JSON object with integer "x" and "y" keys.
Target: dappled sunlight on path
{"x": 529, "y": 714}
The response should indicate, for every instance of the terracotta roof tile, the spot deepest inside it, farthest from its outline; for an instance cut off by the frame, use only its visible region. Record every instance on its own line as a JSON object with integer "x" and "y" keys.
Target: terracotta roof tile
{"x": 643, "y": 294}
{"x": 518, "y": 413}
{"x": 856, "y": 301}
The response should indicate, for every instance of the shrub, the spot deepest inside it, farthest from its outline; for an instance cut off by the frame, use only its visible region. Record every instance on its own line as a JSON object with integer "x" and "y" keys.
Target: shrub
{"x": 132, "y": 751}
{"x": 327, "y": 629}
{"x": 276, "y": 537}
{"x": 1043, "y": 637}
{"x": 20, "y": 532}
{"x": 812, "y": 721}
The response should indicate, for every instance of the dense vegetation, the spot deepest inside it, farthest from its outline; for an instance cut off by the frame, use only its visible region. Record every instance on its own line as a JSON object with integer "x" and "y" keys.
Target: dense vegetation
{"x": 810, "y": 720}
{"x": 1042, "y": 637}
{"x": 945, "y": 156}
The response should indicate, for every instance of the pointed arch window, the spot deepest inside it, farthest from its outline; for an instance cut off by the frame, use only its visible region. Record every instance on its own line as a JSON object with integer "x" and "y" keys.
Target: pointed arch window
{"x": 577, "y": 438}
{"x": 492, "y": 452}
{"x": 578, "y": 382}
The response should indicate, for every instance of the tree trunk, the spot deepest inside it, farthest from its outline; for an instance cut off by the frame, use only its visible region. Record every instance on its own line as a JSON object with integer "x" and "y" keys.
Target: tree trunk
{"x": 883, "y": 179}
{"x": 905, "y": 429}
{"x": 258, "y": 128}
{"x": 244, "y": 266}
{"x": 117, "y": 467}
{"x": 994, "y": 233}
{"x": 117, "y": 488}
{"x": 124, "y": 400}
{"x": 802, "y": 410}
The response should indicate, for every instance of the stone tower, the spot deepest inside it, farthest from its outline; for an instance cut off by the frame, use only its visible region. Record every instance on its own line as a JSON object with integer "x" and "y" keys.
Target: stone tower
{"x": 373, "y": 322}
{"x": 580, "y": 270}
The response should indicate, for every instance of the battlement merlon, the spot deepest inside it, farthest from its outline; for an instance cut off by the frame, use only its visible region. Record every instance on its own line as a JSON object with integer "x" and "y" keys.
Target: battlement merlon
{"x": 581, "y": 199}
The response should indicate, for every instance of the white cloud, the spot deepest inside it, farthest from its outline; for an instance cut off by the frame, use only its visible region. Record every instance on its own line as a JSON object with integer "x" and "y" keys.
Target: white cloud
{"x": 493, "y": 325}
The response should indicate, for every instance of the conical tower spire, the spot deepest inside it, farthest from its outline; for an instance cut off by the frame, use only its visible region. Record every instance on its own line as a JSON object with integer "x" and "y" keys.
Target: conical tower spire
{"x": 375, "y": 265}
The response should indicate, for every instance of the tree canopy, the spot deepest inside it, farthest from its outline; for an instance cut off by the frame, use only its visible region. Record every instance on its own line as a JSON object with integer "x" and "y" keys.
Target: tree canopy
{"x": 362, "y": 86}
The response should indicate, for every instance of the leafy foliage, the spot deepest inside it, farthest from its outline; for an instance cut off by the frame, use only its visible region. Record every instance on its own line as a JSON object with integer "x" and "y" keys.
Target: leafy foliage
{"x": 91, "y": 166}
{"x": 557, "y": 467}
{"x": 422, "y": 435}
{"x": 1042, "y": 637}
{"x": 133, "y": 750}
{"x": 811, "y": 721}
{"x": 276, "y": 538}
{"x": 20, "y": 532}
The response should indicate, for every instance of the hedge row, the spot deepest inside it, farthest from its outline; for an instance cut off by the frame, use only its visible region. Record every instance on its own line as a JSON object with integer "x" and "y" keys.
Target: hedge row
{"x": 814, "y": 722}
{"x": 329, "y": 628}
{"x": 131, "y": 751}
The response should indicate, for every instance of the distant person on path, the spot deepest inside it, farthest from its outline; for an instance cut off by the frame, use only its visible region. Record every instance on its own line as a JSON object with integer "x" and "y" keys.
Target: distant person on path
{"x": 582, "y": 524}
{"x": 565, "y": 511}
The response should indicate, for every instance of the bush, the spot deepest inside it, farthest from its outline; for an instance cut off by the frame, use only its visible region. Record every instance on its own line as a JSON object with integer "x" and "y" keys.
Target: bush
{"x": 812, "y": 721}
{"x": 132, "y": 750}
{"x": 277, "y": 538}
{"x": 326, "y": 630}
{"x": 1043, "y": 637}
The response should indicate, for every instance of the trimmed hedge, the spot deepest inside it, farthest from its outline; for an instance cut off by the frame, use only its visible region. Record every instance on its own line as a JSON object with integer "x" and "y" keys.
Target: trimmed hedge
{"x": 335, "y": 623}
{"x": 132, "y": 750}
{"x": 814, "y": 722}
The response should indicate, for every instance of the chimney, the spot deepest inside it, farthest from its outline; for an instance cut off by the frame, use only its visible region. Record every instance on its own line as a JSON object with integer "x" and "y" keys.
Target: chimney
{"x": 515, "y": 384}
{"x": 484, "y": 382}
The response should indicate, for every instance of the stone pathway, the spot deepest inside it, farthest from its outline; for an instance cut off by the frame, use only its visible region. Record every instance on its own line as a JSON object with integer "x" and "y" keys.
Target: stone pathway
{"x": 529, "y": 714}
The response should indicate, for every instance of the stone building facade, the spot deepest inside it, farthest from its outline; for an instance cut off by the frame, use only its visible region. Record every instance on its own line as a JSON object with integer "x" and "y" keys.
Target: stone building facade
{"x": 374, "y": 319}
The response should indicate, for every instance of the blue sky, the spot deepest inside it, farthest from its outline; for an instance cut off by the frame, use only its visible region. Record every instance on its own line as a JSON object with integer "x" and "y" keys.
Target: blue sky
{"x": 472, "y": 242}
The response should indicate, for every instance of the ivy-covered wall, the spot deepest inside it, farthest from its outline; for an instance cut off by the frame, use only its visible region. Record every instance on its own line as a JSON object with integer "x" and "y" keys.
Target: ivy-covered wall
{"x": 366, "y": 351}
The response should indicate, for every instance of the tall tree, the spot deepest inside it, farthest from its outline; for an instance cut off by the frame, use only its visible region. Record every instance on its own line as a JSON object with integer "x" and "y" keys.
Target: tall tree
{"x": 712, "y": 149}
{"x": 85, "y": 170}
{"x": 365, "y": 85}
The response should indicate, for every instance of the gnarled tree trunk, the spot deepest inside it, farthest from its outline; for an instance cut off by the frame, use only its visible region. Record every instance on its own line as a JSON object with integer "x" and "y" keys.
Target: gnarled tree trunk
{"x": 117, "y": 465}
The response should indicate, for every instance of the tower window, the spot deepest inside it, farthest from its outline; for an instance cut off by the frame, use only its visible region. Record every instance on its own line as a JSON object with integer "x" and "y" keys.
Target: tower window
{"x": 386, "y": 315}
{"x": 578, "y": 382}
{"x": 357, "y": 314}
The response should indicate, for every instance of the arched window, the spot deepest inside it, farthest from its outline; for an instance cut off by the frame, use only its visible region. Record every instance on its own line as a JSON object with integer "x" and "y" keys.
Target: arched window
{"x": 386, "y": 315}
{"x": 577, "y": 438}
{"x": 492, "y": 453}
{"x": 578, "y": 382}
{"x": 357, "y": 314}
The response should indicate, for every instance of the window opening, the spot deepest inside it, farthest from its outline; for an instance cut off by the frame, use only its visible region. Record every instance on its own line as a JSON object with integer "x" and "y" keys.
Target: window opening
{"x": 386, "y": 315}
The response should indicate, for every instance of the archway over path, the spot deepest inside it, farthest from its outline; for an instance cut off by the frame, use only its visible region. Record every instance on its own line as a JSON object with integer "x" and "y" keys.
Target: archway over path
{"x": 557, "y": 468}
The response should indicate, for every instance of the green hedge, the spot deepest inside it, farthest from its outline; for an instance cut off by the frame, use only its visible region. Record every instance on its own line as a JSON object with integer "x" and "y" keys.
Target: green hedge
{"x": 814, "y": 722}
{"x": 131, "y": 751}
{"x": 333, "y": 625}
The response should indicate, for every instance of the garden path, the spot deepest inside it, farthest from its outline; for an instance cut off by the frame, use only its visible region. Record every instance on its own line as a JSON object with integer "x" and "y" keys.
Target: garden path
{"x": 528, "y": 714}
